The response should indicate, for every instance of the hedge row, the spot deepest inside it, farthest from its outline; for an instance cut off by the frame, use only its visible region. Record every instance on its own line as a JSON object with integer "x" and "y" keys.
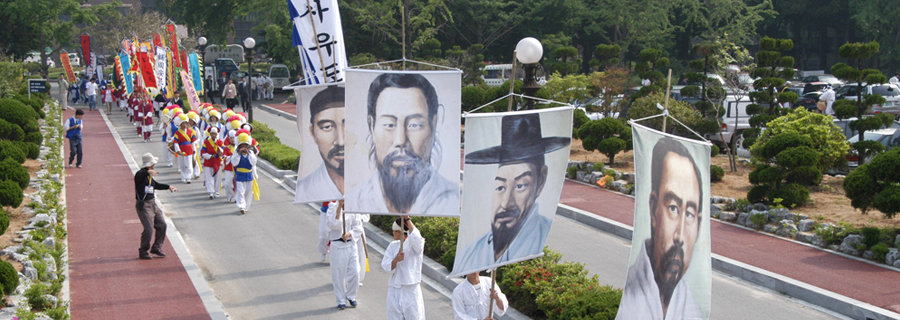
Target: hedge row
{"x": 543, "y": 288}
{"x": 271, "y": 149}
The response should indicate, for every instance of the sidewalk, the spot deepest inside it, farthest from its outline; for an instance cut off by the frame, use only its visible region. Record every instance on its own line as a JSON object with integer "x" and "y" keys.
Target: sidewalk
{"x": 862, "y": 281}
{"x": 108, "y": 281}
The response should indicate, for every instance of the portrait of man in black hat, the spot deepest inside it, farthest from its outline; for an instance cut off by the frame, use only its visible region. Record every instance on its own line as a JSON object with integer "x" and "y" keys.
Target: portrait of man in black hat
{"x": 517, "y": 227}
{"x": 403, "y": 114}
{"x": 326, "y": 128}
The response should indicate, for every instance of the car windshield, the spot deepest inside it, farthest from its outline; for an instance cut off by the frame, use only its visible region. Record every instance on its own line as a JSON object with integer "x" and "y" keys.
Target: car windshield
{"x": 279, "y": 73}
{"x": 886, "y": 91}
{"x": 871, "y": 136}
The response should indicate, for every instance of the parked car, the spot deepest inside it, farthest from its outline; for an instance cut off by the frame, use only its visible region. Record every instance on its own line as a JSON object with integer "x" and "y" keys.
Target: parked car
{"x": 890, "y": 92}
{"x": 889, "y": 137}
{"x": 74, "y": 60}
{"x": 35, "y": 57}
{"x": 827, "y": 78}
{"x": 814, "y": 87}
{"x": 809, "y": 101}
{"x": 281, "y": 76}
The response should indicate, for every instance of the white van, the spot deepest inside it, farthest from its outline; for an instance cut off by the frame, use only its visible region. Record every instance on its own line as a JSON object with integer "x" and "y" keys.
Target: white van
{"x": 281, "y": 76}
{"x": 497, "y": 74}
{"x": 734, "y": 121}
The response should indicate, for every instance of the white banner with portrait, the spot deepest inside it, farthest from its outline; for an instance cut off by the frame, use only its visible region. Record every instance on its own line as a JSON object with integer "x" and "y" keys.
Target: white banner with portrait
{"x": 669, "y": 273}
{"x": 320, "y": 122}
{"x": 402, "y": 142}
{"x": 515, "y": 165}
{"x": 320, "y": 37}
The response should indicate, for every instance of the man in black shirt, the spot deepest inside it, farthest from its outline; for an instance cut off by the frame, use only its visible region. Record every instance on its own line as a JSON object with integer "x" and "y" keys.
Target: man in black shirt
{"x": 150, "y": 215}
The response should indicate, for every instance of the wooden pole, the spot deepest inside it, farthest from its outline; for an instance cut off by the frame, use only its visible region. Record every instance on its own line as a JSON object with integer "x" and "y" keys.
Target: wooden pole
{"x": 316, "y": 41}
{"x": 491, "y": 300}
{"x": 403, "y": 28}
{"x": 512, "y": 83}
{"x": 402, "y": 224}
{"x": 668, "y": 91}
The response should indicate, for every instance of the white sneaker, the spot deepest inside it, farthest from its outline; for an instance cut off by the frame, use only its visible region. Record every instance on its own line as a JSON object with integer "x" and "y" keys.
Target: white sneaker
{"x": 323, "y": 257}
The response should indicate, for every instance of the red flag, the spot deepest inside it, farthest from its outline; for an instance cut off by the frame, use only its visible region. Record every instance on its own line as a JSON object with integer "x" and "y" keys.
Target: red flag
{"x": 86, "y": 49}
{"x": 157, "y": 42}
{"x": 67, "y": 66}
{"x": 184, "y": 63}
{"x": 170, "y": 29}
{"x": 146, "y": 70}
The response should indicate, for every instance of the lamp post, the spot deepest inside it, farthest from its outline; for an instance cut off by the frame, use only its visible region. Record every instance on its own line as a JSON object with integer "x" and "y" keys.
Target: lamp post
{"x": 529, "y": 52}
{"x": 202, "y": 44}
{"x": 249, "y": 43}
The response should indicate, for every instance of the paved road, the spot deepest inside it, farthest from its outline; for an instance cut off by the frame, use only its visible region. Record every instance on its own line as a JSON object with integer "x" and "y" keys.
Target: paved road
{"x": 264, "y": 265}
{"x": 607, "y": 255}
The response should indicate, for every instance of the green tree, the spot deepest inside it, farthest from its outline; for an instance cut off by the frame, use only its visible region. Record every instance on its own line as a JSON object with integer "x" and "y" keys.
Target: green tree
{"x": 108, "y": 33}
{"x": 569, "y": 89}
{"x": 559, "y": 55}
{"x": 607, "y": 55}
{"x": 610, "y": 84}
{"x": 857, "y": 52}
{"x": 876, "y": 185}
{"x": 879, "y": 22}
{"x": 485, "y": 22}
{"x": 607, "y": 135}
{"x": 470, "y": 61}
{"x": 773, "y": 68}
{"x": 683, "y": 111}
{"x": 384, "y": 18}
{"x": 46, "y": 18}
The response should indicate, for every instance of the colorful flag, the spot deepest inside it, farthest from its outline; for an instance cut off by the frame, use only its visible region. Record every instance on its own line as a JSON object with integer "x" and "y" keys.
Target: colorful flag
{"x": 160, "y": 67}
{"x": 67, "y": 65}
{"x": 171, "y": 86}
{"x": 195, "y": 72}
{"x": 92, "y": 65}
{"x": 118, "y": 75}
{"x": 184, "y": 63}
{"x": 157, "y": 41}
{"x": 173, "y": 45}
{"x": 146, "y": 69}
{"x": 86, "y": 50}
{"x": 193, "y": 99}
{"x": 126, "y": 65}
{"x": 322, "y": 52}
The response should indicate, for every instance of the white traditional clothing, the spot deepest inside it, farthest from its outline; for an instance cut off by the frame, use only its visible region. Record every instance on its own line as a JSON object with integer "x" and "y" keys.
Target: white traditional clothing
{"x": 316, "y": 187}
{"x": 404, "y": 300}
{"x": 322, "y": 246}
{"x": 243, "y": 184}
{"x": 344, "y": 255}
{"x": 828, "y": 96}
{"x": 438, "y": 195}
{"x": 640, "y": 299}
{"x": 470, "y": 302}
{"x": 530, "y": 240}
{"x": 361, "y": 247}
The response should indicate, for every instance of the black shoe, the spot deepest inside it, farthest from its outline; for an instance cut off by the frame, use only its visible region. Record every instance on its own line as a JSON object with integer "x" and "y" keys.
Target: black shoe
{"x": 146, "y": 256}
{"x": 158, "y": 253}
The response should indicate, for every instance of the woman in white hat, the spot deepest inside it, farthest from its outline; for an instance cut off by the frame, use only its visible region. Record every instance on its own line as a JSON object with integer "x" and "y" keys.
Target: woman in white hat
{"x": 151, "y": 216}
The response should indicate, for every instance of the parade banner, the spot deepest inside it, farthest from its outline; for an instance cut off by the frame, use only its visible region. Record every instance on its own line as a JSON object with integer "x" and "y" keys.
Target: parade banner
{"x": 67, "y": 66}
{"x": 170, "y": 70}
{"x": 157, "y": 41}
{"x": 126, "y": 65}
{"x": 146, "y": 69}
{"x": 160, "y": 68}
{"x": 86, "y": 51}
{"x": 196, "y": 72}
{"x": 173, "y": 45}
{"x": 184, "y": 64}
{"x": 515, "y": 166}
{"x": 98, "y": 69}
{"x": 320, "y": 176}
{"x": 193, "y": 99}
{"x": 669, "y": 273}
{"x": 321, "y": 51}
{"x": 420, "y": 177}
{"x": 92, "y": 66}
{"x": 118, "y": 74}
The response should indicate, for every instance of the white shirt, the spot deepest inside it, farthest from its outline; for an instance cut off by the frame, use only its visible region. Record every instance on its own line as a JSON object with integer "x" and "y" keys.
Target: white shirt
{"x": 90, "y": 88}
{"x": 408, "y": 271}
{"x": 316, "y": 187}
{"x": 352, "y": 222}
{"x": 77, "y": 122}
{"x": 439, "y": 196}
{"x": 895, "y": 80}
{"x": 640, "y": 299}
{"x": 470, "y": 302}
{"x": 479, "y": 255}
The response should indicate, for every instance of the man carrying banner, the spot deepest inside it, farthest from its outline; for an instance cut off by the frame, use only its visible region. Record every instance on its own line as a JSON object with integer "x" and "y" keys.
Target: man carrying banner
{"x": 518, "y": 183}
{"x": 404, "y": 300}
{"x": 326, "y": 121}
{"x": 472, "y": 299}
{"x": 402, "y": 123}
{"x": 654, "y": 288}
{"x": 343, "y": 232}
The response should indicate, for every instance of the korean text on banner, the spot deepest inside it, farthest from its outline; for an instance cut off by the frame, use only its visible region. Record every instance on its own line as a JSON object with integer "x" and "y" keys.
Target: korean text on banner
{"x": 126, "y": 66}
{"x": 92, "y": 65}
{"x": 146, "y": 69}
{"x": 195, "y": 72}
{"x": 193, "y": 99}
{"x": 669, "y": 272}
{"x": 86, "y": 50}
{"x": 321, "y": 51}
{"x": 515, "y": 166}
{"x": 160, "y": 67}
{"x": 67, "y": 65}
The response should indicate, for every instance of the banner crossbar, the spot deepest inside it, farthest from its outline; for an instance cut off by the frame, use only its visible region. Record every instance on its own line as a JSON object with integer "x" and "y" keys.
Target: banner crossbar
{"x": 402, "y": 60}
{"x": 516, "y": 95}
{"x": 667, "y": 115}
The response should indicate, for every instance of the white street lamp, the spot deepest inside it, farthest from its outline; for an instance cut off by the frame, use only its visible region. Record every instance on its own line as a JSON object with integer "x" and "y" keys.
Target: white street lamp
{"x": 201, "y": 41}
{"x": 529, "y": 52}
{"x": 249, "y": 43}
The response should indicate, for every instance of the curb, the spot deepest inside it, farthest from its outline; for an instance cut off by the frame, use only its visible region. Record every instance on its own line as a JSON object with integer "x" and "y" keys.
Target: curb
{"x": 430, "y": 268}
{"x": 800, "y": 290}
{"x": 278, "y": 112}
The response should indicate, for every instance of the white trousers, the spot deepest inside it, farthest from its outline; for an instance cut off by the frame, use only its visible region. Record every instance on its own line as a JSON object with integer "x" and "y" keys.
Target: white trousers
{"x": 212, "y": 182}
{"x": 168, "y": 157}
{"x": 344, "y": 272}
{"x": 121, "y": 104}
{"x": 196, "y": 164}
{"x": 186, "y": 166}
{"x": 243, "y": 194}
{"x": 361, "y": 249}
{"x": 405, "y": 303}
{"x": 229, "y": 184}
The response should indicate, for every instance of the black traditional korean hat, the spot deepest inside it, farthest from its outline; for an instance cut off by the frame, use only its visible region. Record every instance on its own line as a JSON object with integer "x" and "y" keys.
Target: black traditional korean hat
{"x": 520, "y": 139}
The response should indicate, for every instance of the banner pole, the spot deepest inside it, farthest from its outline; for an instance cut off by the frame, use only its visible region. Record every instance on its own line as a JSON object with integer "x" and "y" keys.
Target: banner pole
{"x": 402, "y": 224}
{"x": 512, "y": 83}
{"x": 403, "y": 31}
{"x": 491, "y": 300}
{"x": 668, "y": 91}
{"x": 316, "y": 38}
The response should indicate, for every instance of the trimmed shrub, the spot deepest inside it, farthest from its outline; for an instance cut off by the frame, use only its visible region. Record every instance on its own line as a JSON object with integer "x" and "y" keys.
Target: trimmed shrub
{"x": 472, "y": 97}
{"x": 764, "y": 174}
{"x": 872, "y": 235}
{"x": 879, "y": 251}
{"x": 572, "y": 172}
{"x": 9, "y": 277}
{"x": 33, "y": 150}
{"x": 262, "y": 133}
{"x": 598, "y": 166}
{"x": 4, "y": 221}
{"x": 781, "y": 142}
{"x": 609, "y": 136}
{"x": 10, "y": 194}
{"x": 714, "y": 151}
{"x": 10, "y": 170}
{"x": 716, "y": 173}
{"x": 31, "y": 126}
{"x": 826, "y": 137}
{"x": 34, "y": 137}
{"x": 282, "y": 156}
{"x": 11, "y": 150}
{"x": 758, "y": 193}
{"x": 807, "y": 176}
{"x": 16, "y": 112}
{"x": 791, "y": 195}
{"x": 797, "y": 157}
{"x": 10, "y": 131}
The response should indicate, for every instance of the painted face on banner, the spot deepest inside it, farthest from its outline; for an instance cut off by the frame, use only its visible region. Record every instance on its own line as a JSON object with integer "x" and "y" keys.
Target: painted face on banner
{"x": 675, "y": 221}
{"x": 328, "y": 131}
{"x": 516, "y": 187}
{"x": 401, "y": 125}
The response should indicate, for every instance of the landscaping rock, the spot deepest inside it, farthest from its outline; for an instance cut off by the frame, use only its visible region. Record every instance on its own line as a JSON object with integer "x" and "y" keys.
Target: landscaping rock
{"x": 52, "y": 299}
{"x": 892, "y": 256}
{"x": 896, "y": 263}
{"x": 42, "y": 217}
{"x": 778, "y": 214}
{"x": 805, "y": 237}
{"x": 9, "y": 250}
{"x": 806, "y": 225}
{"x": 760, "y": 207}
{"x": 749, "y": 222}
{"x": 770, "y": 228}
{"x": 850, "y": 243}
{"x": 787, "y": 229}
{"x": 803, "y": 216}
{"x": 15, "y": 301}
{"x": 580, "y": 175}
{"x": 628, "y": 177}
{"x": 49, "y": 242}
{"x": 834, "y": 247}
{"x": 55, "y": 177}
{"x": 818, "y": 241}
{"x": 715, "y": 210}
{"x": 19, "y": 257}
{"x": 868, "y": 255}
{"x": 30, "y": 272}
{"x": 727, "y": 216}
{"x": 7, "y": 313}
{"x": 717, "y": 199}
{"x": 618, "y": 185}
{"x": 742, "y": 218}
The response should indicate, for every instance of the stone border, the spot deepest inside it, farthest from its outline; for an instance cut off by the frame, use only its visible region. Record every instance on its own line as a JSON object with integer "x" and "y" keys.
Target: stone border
{"x": 278, "y": 112}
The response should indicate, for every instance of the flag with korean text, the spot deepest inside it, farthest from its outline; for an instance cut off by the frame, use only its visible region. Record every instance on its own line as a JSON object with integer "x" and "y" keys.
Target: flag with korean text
{"x": 320, "y": 37}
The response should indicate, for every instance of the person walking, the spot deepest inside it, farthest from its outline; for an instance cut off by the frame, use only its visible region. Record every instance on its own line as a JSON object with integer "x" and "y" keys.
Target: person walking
{"x": 230, "y": 94}
{"x": 63, "y": 92}
{"x": 211, "y": 153}
{"x": 152, "y": 218}
{"x": 82, "y": 88}
{"x": 828, "y": 96}
{"x": 91, "y": 90}
{"x": 473, "y": 297}
{"x": 211, "y": 89}
{"x": 344, "y": 255}
{"x": 360, "y": 232}
{"x": 244, "y": 162}
{"x": 270, "y": 88}
{"x": 107, "y": 95}
{"x": 244, "y": 95}
{"x": 404, "y": 297}
{"x": 253, "y": 87}
{"x": 73, "y": 127}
